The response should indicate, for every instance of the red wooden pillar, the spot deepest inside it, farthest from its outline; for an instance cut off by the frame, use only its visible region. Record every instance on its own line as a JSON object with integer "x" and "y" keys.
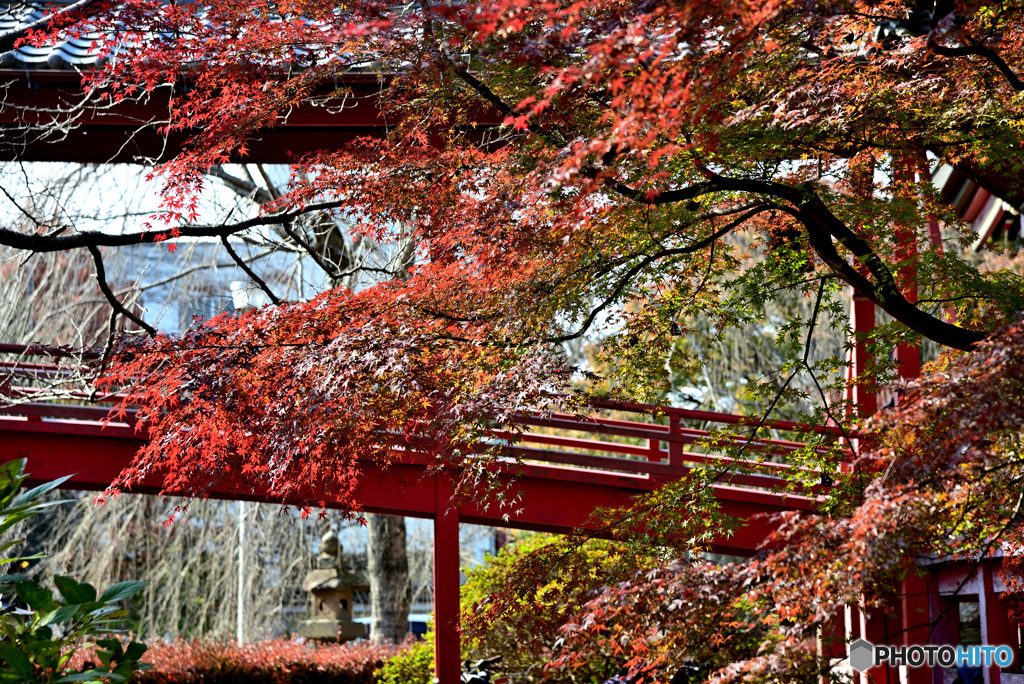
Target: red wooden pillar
{"x": 447, "y": 655}
{"x": 862, "y": 321}
{"x": 860, "y": 395}
{"x": 916, "y": 591}
{"x": 997, "y": 628}
{"x": 907, "y": 355}
{"x": 831, "y": 644}
{"x": 876, "y": 628}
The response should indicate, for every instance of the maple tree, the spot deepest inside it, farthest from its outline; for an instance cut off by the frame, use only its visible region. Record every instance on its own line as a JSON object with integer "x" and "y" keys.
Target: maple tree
{"x": 604, "y": 170}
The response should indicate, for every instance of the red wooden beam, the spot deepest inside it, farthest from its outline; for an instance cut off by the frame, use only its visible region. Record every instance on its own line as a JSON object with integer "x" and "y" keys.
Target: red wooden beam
{"x": 554, "y": 498}
{"x": 93, "y": 130}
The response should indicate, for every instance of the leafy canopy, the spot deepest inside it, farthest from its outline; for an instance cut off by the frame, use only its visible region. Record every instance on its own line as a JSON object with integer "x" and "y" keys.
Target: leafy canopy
{"x": 643, "y": 175}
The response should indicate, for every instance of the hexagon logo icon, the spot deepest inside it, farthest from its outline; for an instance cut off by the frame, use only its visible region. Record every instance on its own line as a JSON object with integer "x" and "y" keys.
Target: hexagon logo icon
{"x": 862, "y": 655}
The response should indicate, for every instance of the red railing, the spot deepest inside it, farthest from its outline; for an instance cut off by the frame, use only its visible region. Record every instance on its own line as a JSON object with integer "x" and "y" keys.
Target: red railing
{"x": 597, "y": 443}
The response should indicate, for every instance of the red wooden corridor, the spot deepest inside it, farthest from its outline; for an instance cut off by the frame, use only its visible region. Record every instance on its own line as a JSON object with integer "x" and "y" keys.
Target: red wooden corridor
{"x": 564, "y": 467}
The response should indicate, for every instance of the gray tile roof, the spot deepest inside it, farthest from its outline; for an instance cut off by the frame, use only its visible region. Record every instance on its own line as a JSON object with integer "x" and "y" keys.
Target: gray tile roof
{"x": 78, "y": 53}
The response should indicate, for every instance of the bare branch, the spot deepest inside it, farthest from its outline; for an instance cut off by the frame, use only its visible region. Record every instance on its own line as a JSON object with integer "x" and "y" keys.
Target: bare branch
{"x": 101, "y": 278}
{"x": 248, "y": 271}
{"x": 89, "y": 238}
{"x": 240, "y": 185}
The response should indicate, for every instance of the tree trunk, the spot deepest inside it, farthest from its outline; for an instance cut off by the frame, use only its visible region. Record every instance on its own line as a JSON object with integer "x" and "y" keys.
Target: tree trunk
{"x": 389, "y": 578}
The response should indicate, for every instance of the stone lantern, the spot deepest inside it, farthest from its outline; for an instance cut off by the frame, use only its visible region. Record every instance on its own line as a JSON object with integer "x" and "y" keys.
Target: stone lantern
{"x": 332, "y": 589}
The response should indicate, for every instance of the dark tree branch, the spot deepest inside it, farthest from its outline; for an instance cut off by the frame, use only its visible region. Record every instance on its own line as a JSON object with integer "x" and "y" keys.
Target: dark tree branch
{"x": 822, "y": 226}
{"x": 101, "y": 278}
{"x": 248, "y": 271}
{"x": 91, "y": 238}
{"x": 975, "y": 50}
{"x": 328, "y": 267}
{"x": 492, "y": 99}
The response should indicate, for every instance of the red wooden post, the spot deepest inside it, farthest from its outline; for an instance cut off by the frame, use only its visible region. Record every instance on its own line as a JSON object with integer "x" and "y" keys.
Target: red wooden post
{"x": 876, "y": 628}
{"x": 908, "y": 355}
{"x": 916, "y": 625}
{"x": 943, "y": 629}
{"x": 447, "y": 663}
{"x": 675, "y": 449}
{"x": 862, "y": 320}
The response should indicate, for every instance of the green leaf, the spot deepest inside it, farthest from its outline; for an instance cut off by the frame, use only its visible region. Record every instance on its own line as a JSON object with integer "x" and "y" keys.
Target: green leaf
{"x": 135, "y": 650}
{"x": 91, "y": 676}
{"x": 31, "y": 495}
{"x": 16, "y": 660}
{"x": 74, "y": 592}
{"x": 61, "y": 614}
{"x": 122, "y": 590}
{"x": 35, "y": 596}
{"x": 112, "y": 645}
{"x": 12, "y": 474}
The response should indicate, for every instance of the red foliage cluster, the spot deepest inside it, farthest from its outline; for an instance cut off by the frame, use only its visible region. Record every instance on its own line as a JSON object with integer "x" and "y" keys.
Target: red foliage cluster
{"x": 636, "y": 138}
{"x": 292, "y": 398}
{"x": 278, "y": 661}
{"x": 939, "y": 476}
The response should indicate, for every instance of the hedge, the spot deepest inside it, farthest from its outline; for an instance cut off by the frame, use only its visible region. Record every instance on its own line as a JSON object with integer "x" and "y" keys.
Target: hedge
{"x": 277, "y": 661}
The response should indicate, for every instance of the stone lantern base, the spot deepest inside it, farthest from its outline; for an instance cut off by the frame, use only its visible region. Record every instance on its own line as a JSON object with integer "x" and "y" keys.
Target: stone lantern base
{"x": 330, "y": 630}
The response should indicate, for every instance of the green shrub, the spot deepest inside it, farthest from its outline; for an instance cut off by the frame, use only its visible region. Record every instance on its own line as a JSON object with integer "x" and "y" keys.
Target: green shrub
{"x": 525, "y": 639}
{"x": 414, "y": 665}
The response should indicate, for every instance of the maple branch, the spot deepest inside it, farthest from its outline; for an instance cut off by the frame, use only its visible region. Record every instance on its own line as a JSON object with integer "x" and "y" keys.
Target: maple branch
{"x": 822, "y": 226}
{"x": 647, "y": 261}
{"x": 101, "y": 278}
{"x": 8, "y": 39}
{"x": 976, "y": 50}
{"x": 248, "y": 270}
{"x": 328, "y": 267}
{"x": 94, "y": 238}
{"x": 487, "y": 94}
